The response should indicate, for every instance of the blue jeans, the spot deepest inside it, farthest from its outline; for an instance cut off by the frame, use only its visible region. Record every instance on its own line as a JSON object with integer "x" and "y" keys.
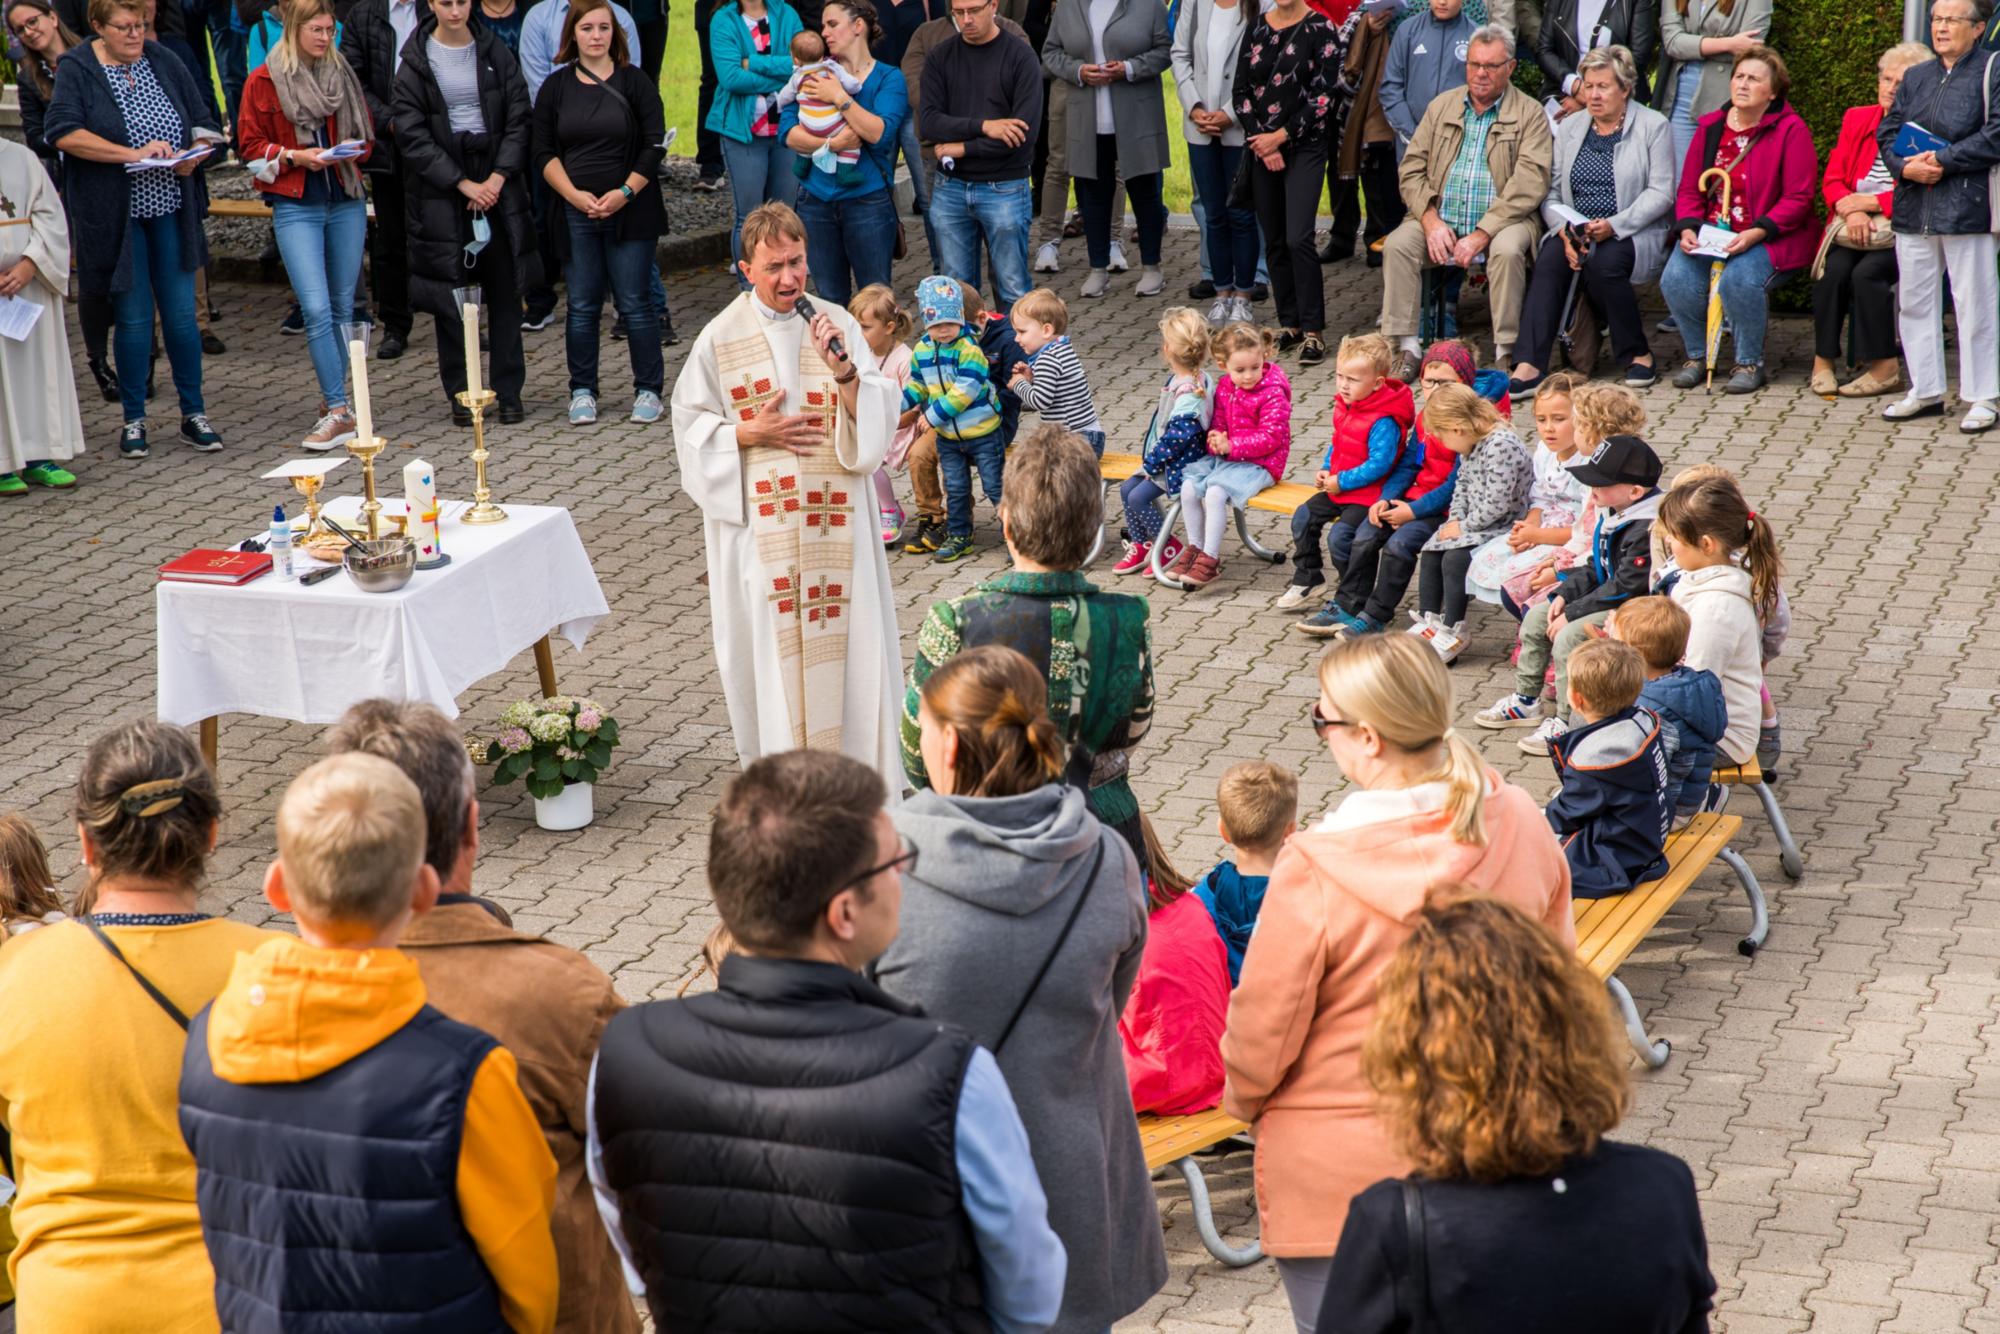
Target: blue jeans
{"x": 597, "y": 258}
{"x": 1229, "y": 234}
{"x": 758, "y": 171}
{"x": 1681, "y": 118}
{"x": 321, "y": 245}
{"x": 996, "y": 212}
{"x": 1200, "y": 216}
{"x": 850, "y": 243}
{"x": 956, "y": 460}
{"x": 157, "y": 275}
{"x": 1745, "y": 280}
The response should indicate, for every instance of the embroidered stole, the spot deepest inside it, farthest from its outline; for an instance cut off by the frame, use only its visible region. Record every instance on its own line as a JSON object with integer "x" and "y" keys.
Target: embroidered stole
{"x": 801, "y": 514}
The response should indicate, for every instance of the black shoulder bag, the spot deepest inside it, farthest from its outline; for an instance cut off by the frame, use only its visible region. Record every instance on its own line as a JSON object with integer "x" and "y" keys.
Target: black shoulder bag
{"x": 1420, "y": 1257}
{"x": 159, "y": 997}
{"x": 1089, "y": 879}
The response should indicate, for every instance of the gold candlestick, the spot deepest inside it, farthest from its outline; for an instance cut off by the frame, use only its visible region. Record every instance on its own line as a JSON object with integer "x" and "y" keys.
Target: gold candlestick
{"x": 371, "y": 508}
{"x": 483, "y": 509}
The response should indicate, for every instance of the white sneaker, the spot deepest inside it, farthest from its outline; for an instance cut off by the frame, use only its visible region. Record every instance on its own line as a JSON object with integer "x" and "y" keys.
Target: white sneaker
{"x": 1449, "y": 641}
{"x": 1221, "y": 312}
{"x": 1980, "y": 418}
{"x": 1048, "y": 259}
{"x": 1424, "y": 625}
{"x": 1152, "y": 282}
{"x": 1537, "y": 741}
{"x": 1510, "y": 710}
{"x": 1910, "y": 405}
{"x": 1117, "y": 264}
{"x": 1098, "y": 283}
{"x": 1295, "y": 597}
{"x": 1240, "y": 312}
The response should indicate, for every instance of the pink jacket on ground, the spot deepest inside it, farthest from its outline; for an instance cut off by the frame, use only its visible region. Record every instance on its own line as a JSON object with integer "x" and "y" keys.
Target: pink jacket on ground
{"x": 1172, "y": 1025}
{"x": 1257, "y": 421}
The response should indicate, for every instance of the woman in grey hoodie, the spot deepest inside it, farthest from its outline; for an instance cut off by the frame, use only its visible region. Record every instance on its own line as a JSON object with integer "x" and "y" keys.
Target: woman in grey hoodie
{"x": 1023, "y": 922}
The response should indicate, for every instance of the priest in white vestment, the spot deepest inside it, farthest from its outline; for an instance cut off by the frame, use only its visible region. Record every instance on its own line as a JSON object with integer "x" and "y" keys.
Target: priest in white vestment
{"x": 39, "y": 420}
{"x": 778, "y": 436}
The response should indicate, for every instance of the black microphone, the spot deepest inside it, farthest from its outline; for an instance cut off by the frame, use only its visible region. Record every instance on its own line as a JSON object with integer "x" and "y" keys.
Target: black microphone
{"x": 808, "y": 313}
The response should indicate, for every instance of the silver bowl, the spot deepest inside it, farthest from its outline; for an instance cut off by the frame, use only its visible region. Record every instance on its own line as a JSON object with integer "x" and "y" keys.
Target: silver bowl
{"x": 383, "y": 565}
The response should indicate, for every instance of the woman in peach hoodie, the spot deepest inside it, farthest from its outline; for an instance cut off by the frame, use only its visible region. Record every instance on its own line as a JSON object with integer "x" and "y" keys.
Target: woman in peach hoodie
{"x": 1427, "y": 814}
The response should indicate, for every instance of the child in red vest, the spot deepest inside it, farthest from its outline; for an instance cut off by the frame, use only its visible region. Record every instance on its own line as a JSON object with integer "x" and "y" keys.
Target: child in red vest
{"x": 1372, "y": 415}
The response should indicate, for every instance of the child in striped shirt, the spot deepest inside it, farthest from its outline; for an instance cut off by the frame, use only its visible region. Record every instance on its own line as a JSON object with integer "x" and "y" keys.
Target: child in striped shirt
{"x": 950, "y": 391}
{"x": 1053, "y": 383}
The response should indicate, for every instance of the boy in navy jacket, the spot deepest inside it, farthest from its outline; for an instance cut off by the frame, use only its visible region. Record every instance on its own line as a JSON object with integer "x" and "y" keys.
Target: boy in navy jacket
{"x": 1689, "y": 703}
{"x": 1612, "y": 813}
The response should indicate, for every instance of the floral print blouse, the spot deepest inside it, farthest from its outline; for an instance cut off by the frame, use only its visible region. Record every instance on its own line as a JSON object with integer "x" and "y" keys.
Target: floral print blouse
{"x": 1732, "y": 154}
{"x": 1285, "y": 78}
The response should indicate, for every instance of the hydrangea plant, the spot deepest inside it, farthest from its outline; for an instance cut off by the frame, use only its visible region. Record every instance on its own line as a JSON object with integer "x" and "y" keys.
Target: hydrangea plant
{"x": 550, "y": 743}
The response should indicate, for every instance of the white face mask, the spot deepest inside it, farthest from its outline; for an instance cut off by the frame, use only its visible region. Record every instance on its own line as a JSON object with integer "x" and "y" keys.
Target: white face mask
{"x": 482, "y": 234}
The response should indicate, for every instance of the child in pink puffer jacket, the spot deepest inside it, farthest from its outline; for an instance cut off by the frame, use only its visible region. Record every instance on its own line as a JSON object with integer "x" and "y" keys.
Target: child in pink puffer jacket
{"x": 1249, "y": 444}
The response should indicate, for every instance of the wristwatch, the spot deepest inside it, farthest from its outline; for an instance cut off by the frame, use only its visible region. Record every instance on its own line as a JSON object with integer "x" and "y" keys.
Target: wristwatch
{"x": 845, "y": 106}
{"x": 625, "y": 190}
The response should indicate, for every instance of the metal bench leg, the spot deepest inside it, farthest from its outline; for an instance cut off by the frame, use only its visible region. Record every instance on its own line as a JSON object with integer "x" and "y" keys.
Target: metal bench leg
{"x": 1204, "y": 1220}
{"x": 1760, "y": 917}
{"x": 1249, "y": 542}
{"x": 1654, "y": 1054}
{"x": 1156, "y": 567}
{"x": 1788, "y": 848}
{"x": 1097, "y": 543}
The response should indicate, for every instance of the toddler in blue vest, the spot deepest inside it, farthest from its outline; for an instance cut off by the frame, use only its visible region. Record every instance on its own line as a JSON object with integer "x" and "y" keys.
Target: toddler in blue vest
{"x": 1257, "y": 809}
{"x": 361, "y": 1161}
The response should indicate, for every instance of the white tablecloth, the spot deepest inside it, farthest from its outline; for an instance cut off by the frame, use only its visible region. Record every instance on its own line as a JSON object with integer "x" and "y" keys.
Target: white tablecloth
{"x": 279, "y": 650}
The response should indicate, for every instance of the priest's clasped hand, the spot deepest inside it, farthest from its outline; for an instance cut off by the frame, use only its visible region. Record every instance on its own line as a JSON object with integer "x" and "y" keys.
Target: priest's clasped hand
{"x": 771, "y": 428}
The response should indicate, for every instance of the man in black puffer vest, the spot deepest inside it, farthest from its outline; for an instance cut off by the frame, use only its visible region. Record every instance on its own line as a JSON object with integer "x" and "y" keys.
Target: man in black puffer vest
{"x": 361, "y": 1162}
{"x": 798, "y": 1150}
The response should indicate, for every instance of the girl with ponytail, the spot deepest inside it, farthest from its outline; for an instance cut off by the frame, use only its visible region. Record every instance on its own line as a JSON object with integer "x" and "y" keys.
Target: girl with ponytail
{"x": 1424, "y": 813}
{"x": 1728, "y": 586}
{"x": 1023, "y": 922}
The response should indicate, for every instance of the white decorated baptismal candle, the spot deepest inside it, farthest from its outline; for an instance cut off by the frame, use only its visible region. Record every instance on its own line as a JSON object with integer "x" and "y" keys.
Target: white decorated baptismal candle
{"x": 420, "y": 490}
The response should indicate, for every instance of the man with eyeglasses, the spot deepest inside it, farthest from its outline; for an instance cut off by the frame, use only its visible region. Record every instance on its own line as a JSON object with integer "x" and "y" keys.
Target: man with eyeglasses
{"x": 798, "y": 1149}
{"x": 980, "y": 104}
{"x": 1474, "y": 175}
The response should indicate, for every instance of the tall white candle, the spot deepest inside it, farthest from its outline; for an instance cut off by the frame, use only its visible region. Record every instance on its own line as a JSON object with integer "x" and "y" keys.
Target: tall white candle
{"x": 364, "y": 417}
{"x": 472, "y": 348}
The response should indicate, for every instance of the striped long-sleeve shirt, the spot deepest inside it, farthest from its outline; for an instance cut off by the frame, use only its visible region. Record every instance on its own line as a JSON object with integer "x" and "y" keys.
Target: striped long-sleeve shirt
{"x": 954, "y": 387}
{"x": 1058, "y": 389}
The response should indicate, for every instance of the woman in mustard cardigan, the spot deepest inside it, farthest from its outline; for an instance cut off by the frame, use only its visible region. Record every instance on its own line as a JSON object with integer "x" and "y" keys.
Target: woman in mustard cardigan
{"x": 1427, "y": 814}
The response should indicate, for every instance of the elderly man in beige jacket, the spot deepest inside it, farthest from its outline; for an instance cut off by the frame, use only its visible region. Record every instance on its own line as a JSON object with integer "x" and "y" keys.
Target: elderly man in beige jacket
{"x": 1473, "y": 178}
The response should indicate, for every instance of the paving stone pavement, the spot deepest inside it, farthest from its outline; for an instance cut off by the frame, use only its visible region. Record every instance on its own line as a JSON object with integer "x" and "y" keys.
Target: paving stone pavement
{"x": 1837, "y": 1097}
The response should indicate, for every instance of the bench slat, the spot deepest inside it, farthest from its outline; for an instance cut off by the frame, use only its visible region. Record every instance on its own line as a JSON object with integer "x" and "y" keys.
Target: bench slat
{"x": 1749, "y": 773}
{"x": 1169, "y": 1138}
{"x": 1278, "y": 498}
{"x": 1609, "y": 929}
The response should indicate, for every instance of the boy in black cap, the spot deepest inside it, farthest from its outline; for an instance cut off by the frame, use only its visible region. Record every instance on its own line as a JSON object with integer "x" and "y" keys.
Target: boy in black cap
{"x": 1623, "y": 474}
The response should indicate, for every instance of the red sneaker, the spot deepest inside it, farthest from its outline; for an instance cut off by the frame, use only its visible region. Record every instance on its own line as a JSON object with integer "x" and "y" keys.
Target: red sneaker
{"x": 1135, "y": 558}
{"x": 1170, "y": 554}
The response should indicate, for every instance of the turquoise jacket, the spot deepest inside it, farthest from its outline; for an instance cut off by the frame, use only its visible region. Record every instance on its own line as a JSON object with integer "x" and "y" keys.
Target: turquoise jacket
{"x": 737, "y": 89}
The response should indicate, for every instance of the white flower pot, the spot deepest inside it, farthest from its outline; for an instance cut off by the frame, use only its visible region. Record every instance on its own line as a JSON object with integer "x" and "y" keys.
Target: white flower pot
{"x": 572, "y": 810}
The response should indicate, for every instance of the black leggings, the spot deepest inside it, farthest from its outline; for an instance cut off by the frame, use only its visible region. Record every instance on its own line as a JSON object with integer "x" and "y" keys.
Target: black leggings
{"x": 1441, "y": 582}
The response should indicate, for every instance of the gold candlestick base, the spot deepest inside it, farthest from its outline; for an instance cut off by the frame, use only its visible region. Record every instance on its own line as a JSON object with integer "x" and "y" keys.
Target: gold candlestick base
{"x": 371, "y": 508}
{"x": 483, "y": 509}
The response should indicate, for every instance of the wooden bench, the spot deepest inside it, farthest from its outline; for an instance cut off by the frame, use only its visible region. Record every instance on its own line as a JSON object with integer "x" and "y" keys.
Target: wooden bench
{"x": 1172, "y": 1141}
{"x": 1751, "y": 776}
{"x": 1609, "y": 929}
{"x": 1278, "y": 498}
{"x": 250, "y": 208}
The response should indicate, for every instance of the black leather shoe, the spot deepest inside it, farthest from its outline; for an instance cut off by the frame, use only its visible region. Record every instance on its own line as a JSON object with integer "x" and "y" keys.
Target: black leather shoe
{"x": 1201, "y": 291}
{"x": 392, "y": 346}
{"x": 511, "y": 411}
{"x": 107, "y": 383}
{"x": 1260, "y": 293}
{"x": 211, "y": 345}
{"x": 461, "y": 416}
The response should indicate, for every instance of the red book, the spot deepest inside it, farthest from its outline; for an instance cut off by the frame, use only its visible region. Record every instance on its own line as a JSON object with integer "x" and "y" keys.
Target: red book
{"x": 206, "y": 566}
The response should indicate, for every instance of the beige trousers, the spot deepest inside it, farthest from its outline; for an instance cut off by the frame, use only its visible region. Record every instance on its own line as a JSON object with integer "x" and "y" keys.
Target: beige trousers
{"x": 1405, "y": 257}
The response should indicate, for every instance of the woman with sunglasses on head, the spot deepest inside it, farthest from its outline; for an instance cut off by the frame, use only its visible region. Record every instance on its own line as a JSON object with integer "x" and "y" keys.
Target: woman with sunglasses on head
{"x": 137, "y": 236}
{"x": 598, "y": 127}
{"x": 299, "y": 103}
{"x": 1425, "y": 812}
{"x": 1023, "y": 922}
{"x": 463, "y": 128}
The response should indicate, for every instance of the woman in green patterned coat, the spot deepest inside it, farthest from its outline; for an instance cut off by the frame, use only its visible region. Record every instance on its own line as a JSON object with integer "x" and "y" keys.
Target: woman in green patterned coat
{"x": 1094, "y": 648}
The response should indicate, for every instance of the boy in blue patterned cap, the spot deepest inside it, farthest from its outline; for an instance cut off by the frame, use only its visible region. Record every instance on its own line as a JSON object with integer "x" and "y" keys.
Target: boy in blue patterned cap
{"x": 950, "y": 390}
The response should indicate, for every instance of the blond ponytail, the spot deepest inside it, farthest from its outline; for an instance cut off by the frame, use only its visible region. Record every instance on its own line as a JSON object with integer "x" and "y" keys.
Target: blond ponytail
{"x": 1397, "y": 685}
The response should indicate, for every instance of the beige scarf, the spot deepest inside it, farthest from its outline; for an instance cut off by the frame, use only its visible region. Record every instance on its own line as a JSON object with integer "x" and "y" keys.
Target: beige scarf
{"x": 802, "y": 510}
{"x": 313, "y": 92}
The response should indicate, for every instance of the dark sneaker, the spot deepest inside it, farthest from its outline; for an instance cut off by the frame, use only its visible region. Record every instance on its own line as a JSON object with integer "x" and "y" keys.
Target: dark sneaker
{"x": 1261, "y": 293}
{"x": 1201, "y": 291}
{"x": 294, "y": 325}
{"x": 926, "y": 539}
{"x": 956, "y": 547}
{"x": 1312, "y": 350}
{"x": 196, "y": 430}
{"x": 511, "y": 411}
{"x": 211, "y": 345}
{"x": 534, "y": 321}
{"x": 392, "y": 346}
{"x": 1289, "y": 339}
{"x": 132, "y": 441}
{"x": 668, "y": 338}
{"x": 709, "y": 182}
{"x": 1639, "y": 375}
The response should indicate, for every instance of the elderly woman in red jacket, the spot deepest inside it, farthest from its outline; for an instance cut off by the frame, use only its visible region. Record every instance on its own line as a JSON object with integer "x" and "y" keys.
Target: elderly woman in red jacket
{"x": 1859, "y": 273}
{"x": 301, "y": 102}
{"x": 1765, "y": 149}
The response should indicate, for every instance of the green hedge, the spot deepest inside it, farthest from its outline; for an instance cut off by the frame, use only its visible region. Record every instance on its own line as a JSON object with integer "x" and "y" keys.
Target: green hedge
{"x": 1831, "y": 47}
